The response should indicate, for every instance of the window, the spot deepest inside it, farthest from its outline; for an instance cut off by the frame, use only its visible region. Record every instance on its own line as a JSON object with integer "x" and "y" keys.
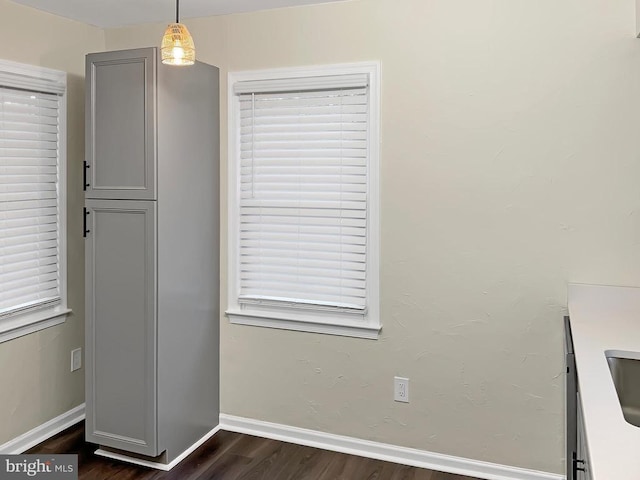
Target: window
{"x": 303, "y": 199}
{"x": 32, "y": 206}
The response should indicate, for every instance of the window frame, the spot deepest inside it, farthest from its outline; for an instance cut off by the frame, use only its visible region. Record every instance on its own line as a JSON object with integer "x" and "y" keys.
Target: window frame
{"x": 37, "y": 318}
{"x": 306, "y": 319}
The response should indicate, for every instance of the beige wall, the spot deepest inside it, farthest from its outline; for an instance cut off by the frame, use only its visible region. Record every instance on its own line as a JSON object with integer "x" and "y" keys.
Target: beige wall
{"x": 510, "y": 166}
{"x": 36, "y": 384}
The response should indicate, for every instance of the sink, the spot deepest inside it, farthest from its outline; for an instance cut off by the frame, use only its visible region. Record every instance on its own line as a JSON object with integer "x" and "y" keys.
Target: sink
{"x": 625, "y": 372}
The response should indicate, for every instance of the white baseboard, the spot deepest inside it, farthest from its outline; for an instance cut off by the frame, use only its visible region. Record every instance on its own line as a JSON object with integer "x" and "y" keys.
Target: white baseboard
{"x": 158, "y": 466}
{"x": 43, "y": 432}
{"x": 301, "y": 436}
{"x": 381, "y": 451}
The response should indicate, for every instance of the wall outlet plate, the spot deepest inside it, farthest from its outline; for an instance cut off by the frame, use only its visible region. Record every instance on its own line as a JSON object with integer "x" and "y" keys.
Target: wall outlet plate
{"x": 401, "y": 389}
{"x": 76, "y": 359}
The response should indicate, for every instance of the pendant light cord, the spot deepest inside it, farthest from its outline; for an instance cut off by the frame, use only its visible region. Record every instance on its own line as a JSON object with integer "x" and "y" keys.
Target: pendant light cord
{"x": 177, "y": 11}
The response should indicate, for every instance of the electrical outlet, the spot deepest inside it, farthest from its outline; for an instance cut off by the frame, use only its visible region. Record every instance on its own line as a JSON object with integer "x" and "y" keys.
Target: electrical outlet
{"x": 401, "y": 389}
{"x": 76, "y": 359}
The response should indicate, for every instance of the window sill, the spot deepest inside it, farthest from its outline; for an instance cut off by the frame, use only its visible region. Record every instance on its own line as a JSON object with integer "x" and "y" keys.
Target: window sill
{"x": 31, "y": 322}
{"x": 241, "y": 317}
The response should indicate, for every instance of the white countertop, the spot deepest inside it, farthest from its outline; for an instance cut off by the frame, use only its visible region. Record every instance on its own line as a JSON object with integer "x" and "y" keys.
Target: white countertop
{"x": 605, "y": 318}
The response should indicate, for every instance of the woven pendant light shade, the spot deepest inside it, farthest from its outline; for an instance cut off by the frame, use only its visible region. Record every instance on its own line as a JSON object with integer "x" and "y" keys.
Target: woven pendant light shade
{"x": 177, "y": 46}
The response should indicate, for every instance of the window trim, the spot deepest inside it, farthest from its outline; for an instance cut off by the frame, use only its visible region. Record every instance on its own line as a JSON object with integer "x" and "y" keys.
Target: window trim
{"x": 54, "y": 81}
{"x": 317, "y": 321}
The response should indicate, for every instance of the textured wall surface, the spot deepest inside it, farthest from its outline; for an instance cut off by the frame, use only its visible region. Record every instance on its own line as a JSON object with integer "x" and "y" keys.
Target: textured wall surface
{"x": 35, "y": 382}
{"x": 510, "y": 166}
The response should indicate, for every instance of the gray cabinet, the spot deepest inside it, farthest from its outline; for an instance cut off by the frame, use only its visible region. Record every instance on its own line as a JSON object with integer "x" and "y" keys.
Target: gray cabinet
{"x": 577, "y": 459}
{"x": 571, "y": 398}
{"x": 151, "y": 253}
{"x": 121, "y": 125}
{"x": 121, "y": 303}
{"x": 582, "y": 467}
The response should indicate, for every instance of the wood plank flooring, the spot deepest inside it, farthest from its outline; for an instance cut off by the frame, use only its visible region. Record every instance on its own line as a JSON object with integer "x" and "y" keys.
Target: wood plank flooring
{"x": 233, "y": 456}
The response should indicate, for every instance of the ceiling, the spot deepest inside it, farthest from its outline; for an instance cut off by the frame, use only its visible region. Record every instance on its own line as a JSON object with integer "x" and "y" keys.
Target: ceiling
{"x": 118, "y": 13}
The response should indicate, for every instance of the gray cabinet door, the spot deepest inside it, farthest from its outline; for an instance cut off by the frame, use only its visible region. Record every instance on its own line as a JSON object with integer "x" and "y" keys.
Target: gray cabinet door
{"x": 582, "y": 468}
{"x": 120, "y": 263}
{"x": 121, "y": 125}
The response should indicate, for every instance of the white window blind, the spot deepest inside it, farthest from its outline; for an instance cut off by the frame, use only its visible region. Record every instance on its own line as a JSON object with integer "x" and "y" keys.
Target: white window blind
{"x": 29, "y": 227}
{"x": 303, "y": 192}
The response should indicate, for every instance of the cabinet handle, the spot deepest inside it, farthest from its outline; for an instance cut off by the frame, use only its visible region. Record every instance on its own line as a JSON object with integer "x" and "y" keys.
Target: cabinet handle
{"x": 84, "y": 223}
{"x": 84, "y": 176}
{"x": 576, "y": 468}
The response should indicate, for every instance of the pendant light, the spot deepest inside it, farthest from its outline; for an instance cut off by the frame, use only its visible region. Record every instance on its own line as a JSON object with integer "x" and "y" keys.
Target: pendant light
{"x": 177, "y": 44}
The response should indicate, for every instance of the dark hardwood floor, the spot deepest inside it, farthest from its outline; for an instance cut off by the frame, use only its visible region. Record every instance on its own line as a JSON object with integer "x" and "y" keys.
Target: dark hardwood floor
{"x": 233, "y": 456}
